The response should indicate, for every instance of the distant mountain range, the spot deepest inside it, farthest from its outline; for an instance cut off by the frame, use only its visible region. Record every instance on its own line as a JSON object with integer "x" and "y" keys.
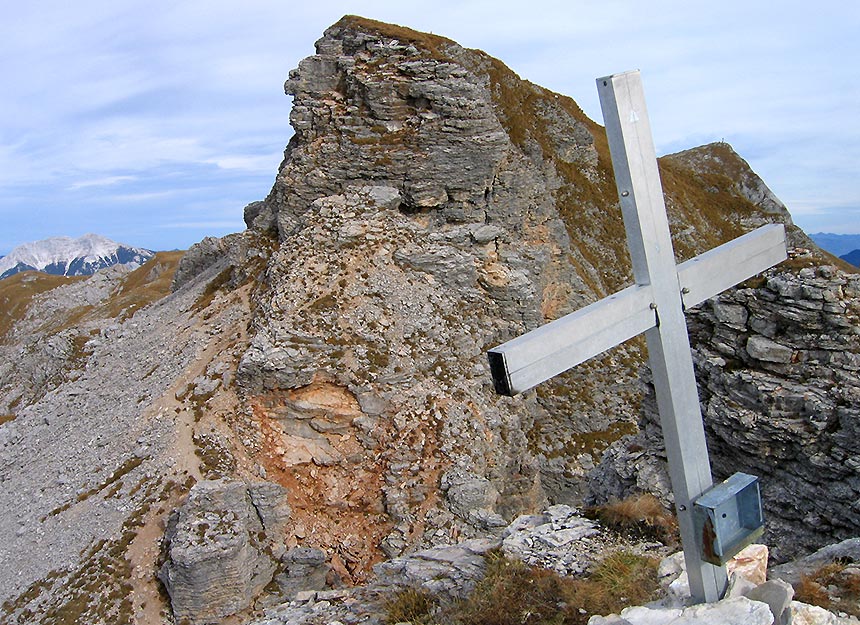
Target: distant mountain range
{"x": 845, "y": 246}
{"x": 852, "y": 257}
{"x": 65, "y": 256}
{"x": 837, "y": 244}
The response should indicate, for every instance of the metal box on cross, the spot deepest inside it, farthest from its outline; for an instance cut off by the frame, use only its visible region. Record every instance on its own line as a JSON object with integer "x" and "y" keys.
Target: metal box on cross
{"x": 729, "y": 517}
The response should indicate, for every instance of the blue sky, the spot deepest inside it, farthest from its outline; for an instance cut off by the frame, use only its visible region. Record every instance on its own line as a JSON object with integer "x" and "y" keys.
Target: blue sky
{"x": 155, "y": 122}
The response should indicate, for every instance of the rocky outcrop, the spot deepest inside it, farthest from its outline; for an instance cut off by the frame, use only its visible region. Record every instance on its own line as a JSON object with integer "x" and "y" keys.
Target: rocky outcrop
{"x": 302, "y": 569}
{"x": 430, "y": 205}
{"x": 847, "y": 552}
{"x": 233, "y": 259}
{"x": 450, "y": 573}
{"x": 222, "y": 547}
{"x": 777, "y": 362}
{"x": 425, "y": 211}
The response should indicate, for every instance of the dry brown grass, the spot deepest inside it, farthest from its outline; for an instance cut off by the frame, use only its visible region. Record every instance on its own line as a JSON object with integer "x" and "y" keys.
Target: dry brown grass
{"x": 146, "y": 284}
{"x": 16, "y": 293}
{"x": 642, "y": 516}
{"x": 513, "y": 593}
{"x": 413, "y": 606}
{"x": 834, "y": 586}
{"x": 435, "y": 44}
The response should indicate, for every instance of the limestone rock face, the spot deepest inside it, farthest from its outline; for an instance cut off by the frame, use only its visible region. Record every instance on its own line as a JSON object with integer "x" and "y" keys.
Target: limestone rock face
{"x": 777, "y": 363}
{"x": 219, "y": 548}
{"x": 414, "y": 234}
{"x": 430, "y": 205}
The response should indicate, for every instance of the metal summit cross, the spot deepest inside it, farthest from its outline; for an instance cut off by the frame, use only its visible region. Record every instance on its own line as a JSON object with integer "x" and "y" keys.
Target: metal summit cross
{"x": 654, "y": 305}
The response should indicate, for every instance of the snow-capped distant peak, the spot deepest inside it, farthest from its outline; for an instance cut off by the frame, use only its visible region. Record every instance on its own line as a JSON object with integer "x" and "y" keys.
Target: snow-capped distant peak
{"x": 71, "y": 257}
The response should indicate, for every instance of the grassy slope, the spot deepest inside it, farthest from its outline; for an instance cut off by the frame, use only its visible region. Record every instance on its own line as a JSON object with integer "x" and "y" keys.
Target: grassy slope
{"x": 142, "y": 286}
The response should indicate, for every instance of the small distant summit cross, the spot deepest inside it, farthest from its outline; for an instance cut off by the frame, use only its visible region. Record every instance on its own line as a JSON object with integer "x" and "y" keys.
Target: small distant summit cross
{"x": 655, "y": 306}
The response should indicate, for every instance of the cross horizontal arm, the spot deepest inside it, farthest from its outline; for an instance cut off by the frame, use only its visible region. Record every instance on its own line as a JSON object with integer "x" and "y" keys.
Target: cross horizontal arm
{"x": 532, "y": 358}
{"x": 725, "y": 266}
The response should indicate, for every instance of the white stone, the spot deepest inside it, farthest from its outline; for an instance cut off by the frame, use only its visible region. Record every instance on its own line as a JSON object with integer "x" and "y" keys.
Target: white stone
{"x": 385, "y": 197}
{"x": 751, "y": 562}
{"x": 803, "y": 614}
{"x": 679, "y": 590}
{"x": 777, "y": 594}
{"x": 739, "y": 611}
{"x": 558, "y": 538}
{"x": 731, "y": 313}
{"x": 486, "y": 233}
{"x": 739, "y": 586}
{"x": 762, "y": 348}
{"x": 671, "y": 567}
{"x": 640, "y": 615}
{"x": 304, "y": 596}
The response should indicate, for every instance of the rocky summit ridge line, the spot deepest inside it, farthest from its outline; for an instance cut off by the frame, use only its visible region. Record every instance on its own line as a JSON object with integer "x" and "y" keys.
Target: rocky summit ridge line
{"x": 312, "y": 398}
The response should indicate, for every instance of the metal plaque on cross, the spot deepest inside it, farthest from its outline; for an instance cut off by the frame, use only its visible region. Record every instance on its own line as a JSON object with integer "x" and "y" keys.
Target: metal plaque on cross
{"x": 655, "y": 306}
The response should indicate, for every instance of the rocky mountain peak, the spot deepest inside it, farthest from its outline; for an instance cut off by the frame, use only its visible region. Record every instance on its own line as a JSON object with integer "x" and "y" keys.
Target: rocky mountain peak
{"x": 321, "y": 377}
{"x": 389, "y": 105}
{"x": 66, "y": 256}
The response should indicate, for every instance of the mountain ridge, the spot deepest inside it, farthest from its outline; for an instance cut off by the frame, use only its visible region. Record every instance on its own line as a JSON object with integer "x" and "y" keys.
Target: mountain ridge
{"x": 287, "y": 407}
{"x": 852, "y": 257}
{"x": 836, "y": 244}
{"x": 71, "y": 256}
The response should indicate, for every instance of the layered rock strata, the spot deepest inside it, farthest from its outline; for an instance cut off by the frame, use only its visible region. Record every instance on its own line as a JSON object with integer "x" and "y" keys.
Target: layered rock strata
{"x": 430, "y": 205}
{"x": 777, "y": 362}
{"x": 223, "y": 545}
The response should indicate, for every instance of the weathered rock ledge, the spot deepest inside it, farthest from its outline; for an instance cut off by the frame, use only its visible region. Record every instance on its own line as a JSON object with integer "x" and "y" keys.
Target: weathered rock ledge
{"x": 777, "y": 362}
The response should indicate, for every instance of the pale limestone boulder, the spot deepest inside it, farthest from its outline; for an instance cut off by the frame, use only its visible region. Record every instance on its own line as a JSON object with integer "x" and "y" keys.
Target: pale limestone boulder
{"x": 219, "y": 548}
{"x": 777, "y": 595}
{"x": 751, "y": 562}
{"x": 803, "y": 614}
{"x": 738, "y": 611}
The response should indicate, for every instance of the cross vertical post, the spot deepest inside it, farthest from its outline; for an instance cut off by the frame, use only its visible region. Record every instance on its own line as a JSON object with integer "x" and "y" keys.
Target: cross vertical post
{"x": 634, "y": 161}
{"x": 654, "y": 305}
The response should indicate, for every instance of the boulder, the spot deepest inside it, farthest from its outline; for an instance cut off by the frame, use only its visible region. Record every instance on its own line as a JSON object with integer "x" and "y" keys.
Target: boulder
{"x": 739, "y": 611}
{"x": 304, "y": 570}
{"x": 218, "y": 546}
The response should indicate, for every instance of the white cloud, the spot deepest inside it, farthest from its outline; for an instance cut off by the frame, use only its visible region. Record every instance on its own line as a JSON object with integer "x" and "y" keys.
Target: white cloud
{"x": 263, "y": 163}
{"x": 113, "y": 94}
{"x": 108, "y": 181}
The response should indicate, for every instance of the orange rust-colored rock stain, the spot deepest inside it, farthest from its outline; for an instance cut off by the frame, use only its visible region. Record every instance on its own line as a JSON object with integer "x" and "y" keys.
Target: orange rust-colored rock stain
{"x": 337, "y": 485}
